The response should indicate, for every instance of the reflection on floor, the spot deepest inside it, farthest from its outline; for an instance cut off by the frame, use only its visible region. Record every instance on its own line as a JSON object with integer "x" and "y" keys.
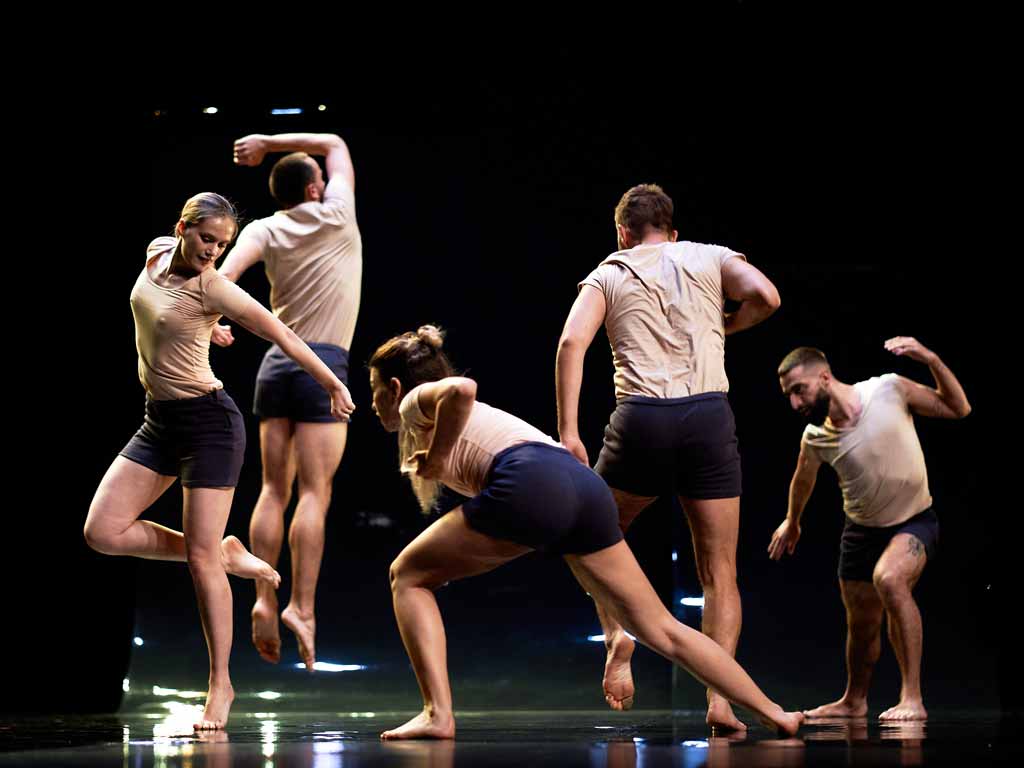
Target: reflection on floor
{"x": 597, "y": 739}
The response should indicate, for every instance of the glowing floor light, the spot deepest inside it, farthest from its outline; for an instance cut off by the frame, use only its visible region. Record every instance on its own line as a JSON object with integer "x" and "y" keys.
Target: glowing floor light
{"x": 327, "y": 666}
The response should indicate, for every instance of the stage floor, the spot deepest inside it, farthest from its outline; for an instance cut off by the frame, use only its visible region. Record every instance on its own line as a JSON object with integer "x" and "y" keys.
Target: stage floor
{"x": 642, "y": 738}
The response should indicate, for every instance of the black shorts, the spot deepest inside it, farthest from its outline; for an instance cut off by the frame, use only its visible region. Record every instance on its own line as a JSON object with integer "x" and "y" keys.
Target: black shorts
{"x": 540, "y": 496}
{"x": 685, "y": 446}
{"x": 285, "y": 390}
{"x": 862, "y": 546}
{"x": 199, "y": 439}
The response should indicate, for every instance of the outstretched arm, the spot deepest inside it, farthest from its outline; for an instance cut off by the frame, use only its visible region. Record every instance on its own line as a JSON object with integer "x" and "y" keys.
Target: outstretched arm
{"x": 251, "y": 149}
{"x": 947, "y": 400}
{"x": 259, "y": 320}
{"x": 800, "y": 487}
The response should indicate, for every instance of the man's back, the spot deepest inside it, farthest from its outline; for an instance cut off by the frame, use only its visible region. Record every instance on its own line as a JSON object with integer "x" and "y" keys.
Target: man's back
{"x": 313, "y": 254}
{"x": 664, "y": 318}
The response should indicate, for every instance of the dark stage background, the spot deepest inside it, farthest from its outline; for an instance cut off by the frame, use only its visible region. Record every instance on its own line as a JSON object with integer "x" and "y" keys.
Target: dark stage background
{"x": 481, "y": 206}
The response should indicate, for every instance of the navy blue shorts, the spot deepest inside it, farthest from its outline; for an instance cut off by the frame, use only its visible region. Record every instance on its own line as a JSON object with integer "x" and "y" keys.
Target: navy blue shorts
{"x": 683, "y": 445}
{"x": 862, "y": 546}
{"x": 540, "y": 496}
{"x": 285, "y": 390}
{"x": 199, "y": 439}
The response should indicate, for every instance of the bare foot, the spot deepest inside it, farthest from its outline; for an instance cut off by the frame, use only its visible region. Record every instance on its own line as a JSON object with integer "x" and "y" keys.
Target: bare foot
{"x": 266, "y": 634}
{"x": 424, "y": 726}
{"x": 305, "y": 632}
{"x": 239, "y": 561}
{"x": 618, "y": 677}
{"x": 786, "y": 723}
{"x": 218, "y": 705}
{"x": 725, "y": 738}
{"x": 904, "y": 730}
{"x": 841, "y": 708}
{"x": 212, "y": 737}
{"x": 720, "y": 715}
{"x": 907, "y": 709}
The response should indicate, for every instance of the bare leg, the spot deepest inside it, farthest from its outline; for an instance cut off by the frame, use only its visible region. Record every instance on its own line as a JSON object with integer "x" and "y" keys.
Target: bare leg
{"x": 449, "y": 549}
{"x": 863, "y": 646}
{"x": 714, "y": 527}
{"x": 113, "y": 527}
{"x": 318, "y": 451}
{"x": 895, "y": 576}
{"x": 205, "y": 515}
{"x": 266, "y": 528}
{"x": 613, "y": 577}
{"x": 618, "y": 675}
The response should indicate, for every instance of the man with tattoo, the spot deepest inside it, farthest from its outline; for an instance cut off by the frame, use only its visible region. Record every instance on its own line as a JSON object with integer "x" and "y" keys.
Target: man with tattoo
{"x": 866, "y": 432}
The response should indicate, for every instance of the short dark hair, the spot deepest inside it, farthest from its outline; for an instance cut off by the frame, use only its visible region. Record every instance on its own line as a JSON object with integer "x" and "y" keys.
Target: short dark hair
{"x": 643, "y": 206}
{"x": 802, "y": 356}
{"x": 289, "y": 178}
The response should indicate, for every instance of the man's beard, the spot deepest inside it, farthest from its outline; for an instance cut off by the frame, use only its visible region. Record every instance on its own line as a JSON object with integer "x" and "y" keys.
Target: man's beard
{"x": 818, "y": 411}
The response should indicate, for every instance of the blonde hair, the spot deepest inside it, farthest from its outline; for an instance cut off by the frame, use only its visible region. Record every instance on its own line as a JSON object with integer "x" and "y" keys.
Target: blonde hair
{"x": 207, "y": 205}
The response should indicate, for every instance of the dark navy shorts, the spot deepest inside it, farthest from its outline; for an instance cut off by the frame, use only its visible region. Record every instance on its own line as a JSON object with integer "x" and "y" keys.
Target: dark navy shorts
{"x": 285, "y": 390}
{"x": 199, "y": 439}
{"x": 540, "y": 496}
{"x": 862, "y": 546}
{"x": 684, "y": 445}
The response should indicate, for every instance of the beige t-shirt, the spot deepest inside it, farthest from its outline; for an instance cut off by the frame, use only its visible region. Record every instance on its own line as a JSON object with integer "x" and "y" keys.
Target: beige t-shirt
{"x": 488, "y": 432}
{"x": 173, "y": 326}
{"x": 879, "y": 460}
{"x": 664, "y": 318}
{"x": 313, "y": 255}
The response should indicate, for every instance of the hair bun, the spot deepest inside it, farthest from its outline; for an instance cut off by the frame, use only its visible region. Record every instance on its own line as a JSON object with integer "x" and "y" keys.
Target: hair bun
{"x": 431, "y": 335}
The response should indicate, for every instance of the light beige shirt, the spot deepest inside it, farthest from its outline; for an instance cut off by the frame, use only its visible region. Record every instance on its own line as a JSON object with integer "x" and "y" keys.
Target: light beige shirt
{"x": 664, "y": 318}
{"x": 313, "y": 254}
{"x": 488, "y": 432}
{"x": 173, "y": 326}
{"x": 878, "y": 460}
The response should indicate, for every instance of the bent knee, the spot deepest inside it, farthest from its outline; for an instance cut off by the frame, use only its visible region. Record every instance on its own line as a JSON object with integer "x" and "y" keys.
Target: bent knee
{"x": 97, "y": 536}
{"x": 398, "y": 574}
{"x": 403, "y": 575}
{"x": 890, "y": 585}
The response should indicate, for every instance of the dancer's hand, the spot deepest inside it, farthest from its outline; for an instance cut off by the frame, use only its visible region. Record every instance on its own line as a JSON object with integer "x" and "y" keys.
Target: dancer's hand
{"x": 905, "y": 346}
{"x": 784, "y": 539}
{"x": 341, "y": 401}
{"x": 222, "y": 336}
{"x": 250, "y": 150}
{"x": 575, "y": 446}
{"x": 426, "y": 467}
